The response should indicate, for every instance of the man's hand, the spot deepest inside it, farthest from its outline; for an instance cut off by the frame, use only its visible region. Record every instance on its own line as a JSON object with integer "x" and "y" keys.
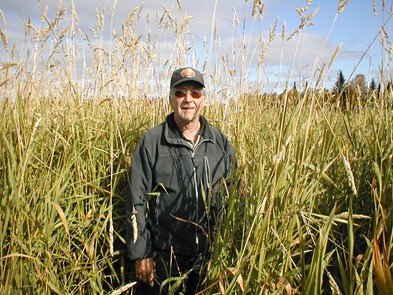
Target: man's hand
{"x": 145, "y": 270}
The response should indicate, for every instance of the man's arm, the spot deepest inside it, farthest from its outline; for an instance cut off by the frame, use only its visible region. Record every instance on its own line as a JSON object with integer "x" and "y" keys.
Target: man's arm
{"x": 140, "y": 182}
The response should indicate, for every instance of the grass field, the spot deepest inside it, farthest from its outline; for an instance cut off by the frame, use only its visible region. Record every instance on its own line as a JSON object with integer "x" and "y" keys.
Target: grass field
{"x": 313, "y": 214}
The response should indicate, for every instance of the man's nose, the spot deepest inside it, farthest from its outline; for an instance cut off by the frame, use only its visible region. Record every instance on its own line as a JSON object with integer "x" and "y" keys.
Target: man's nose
{"x": 188, "y": 96}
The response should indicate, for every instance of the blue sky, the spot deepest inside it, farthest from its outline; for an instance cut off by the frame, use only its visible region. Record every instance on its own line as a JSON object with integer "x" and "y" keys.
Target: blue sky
{"x": 298, "y": 59}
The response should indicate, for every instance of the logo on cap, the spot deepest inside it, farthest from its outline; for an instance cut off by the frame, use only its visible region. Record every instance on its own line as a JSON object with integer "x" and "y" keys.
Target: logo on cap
{"x": 188, "y": 73}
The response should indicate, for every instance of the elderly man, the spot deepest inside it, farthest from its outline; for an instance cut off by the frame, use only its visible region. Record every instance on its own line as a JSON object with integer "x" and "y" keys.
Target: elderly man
{"x": 176, "y": 181}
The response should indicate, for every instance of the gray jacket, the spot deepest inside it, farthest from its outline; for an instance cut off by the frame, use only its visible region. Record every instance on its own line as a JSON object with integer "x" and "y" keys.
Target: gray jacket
{"x": 175, "y": 190}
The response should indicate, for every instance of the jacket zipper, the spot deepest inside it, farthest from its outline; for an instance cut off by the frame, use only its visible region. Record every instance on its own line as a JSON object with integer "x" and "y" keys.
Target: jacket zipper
{"x": 196, "y": 190}
{"x": 196, "y": 197}
{"x": 196, "y": 187}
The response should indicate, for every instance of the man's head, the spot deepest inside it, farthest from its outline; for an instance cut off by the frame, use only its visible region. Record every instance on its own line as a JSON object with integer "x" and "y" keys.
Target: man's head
{"x": 187, "y": 95}
{"x": 182, "y": 75}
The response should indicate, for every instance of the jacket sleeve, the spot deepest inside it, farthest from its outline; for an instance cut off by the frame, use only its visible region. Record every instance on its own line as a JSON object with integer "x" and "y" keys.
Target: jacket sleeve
{"x": 140, "y": 183}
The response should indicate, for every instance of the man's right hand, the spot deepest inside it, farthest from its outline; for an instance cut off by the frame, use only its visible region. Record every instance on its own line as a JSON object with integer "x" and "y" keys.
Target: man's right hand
{"x": 145, "y": 270}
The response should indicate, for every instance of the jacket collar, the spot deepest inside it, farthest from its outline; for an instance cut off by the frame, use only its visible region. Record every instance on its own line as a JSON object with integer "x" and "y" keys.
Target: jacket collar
{"x": 173, "y": 135}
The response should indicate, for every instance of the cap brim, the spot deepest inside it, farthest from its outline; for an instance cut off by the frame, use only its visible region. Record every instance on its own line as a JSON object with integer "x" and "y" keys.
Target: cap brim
{"x": 186, "y": 80}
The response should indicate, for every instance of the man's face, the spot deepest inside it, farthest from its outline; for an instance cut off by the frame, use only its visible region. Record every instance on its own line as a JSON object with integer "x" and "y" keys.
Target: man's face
{"x": 187, "y": 101}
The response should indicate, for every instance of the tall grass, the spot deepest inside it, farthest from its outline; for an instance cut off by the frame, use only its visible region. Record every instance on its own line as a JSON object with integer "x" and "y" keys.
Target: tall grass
{"x": 312, "y": 214}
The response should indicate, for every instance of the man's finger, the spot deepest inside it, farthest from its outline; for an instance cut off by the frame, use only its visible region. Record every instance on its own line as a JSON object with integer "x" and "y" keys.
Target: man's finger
{"x": 151, "y": 279}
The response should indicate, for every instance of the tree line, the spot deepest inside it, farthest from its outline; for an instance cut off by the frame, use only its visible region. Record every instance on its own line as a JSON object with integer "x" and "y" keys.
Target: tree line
{"x": 354, "y": 94}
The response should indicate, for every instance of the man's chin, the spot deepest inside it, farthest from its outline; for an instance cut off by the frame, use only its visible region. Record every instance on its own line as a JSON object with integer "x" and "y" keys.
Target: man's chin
{"x": 188, "y": 116}
{"x": 187, "y": 119}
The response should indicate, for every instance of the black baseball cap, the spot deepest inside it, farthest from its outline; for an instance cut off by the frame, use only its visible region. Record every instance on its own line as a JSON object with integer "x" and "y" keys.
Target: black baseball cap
{"x": 186, "y": 75}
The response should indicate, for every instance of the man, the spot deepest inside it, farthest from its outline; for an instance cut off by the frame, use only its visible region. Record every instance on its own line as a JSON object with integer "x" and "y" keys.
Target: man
{"x": 176, "y": 180}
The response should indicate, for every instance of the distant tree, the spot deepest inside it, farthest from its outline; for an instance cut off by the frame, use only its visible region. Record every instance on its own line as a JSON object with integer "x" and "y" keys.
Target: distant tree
{"x": 340, "y": 83}
{"x": 340, "y": 89}
{"x": 389, "y": 87}
{"x": 373, "y": 91}
{"x": 373, "y": 85}
{"x": 359, "y": 84}
{"x": 357, "y": 91}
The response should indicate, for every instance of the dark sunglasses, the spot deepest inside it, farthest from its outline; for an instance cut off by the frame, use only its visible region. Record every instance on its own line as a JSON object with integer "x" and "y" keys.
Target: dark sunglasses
{"x": 182, "y": 93}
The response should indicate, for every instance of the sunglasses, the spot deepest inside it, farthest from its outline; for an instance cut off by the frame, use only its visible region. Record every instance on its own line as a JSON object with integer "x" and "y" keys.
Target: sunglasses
{"x": 182, "y": 93}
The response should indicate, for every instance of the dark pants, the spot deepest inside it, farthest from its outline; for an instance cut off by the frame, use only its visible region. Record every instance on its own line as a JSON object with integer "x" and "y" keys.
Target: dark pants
{"x": 174, "y": 273}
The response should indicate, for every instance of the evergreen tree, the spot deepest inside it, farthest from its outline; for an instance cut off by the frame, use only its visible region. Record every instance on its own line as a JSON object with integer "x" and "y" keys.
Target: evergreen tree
{"x": 340, "y": 89}
{"x": 373, "y": 85}
{"x": 340, "y": 83}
